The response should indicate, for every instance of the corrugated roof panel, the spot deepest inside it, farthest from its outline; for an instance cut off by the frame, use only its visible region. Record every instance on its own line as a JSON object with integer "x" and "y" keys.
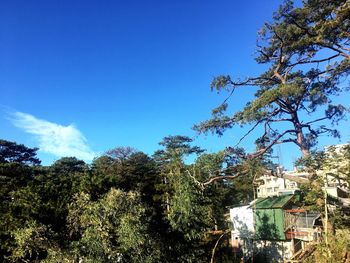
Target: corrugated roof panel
{"x": 272, "y": 202}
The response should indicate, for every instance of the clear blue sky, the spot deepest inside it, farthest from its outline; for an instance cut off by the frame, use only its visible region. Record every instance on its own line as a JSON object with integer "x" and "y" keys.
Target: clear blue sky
{"x": 124, "y": 73}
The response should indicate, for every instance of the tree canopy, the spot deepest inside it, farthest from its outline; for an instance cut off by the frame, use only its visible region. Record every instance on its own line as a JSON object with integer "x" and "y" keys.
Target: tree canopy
{"x": 127, "y": 206}
{"x": 307, "y": 53}
{"x": 17, "y": 153}
{"x": 119, "y": 208}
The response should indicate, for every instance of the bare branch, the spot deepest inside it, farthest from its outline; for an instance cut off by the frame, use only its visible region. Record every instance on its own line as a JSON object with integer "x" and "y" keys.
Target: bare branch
{"x": 221, "y": 177}
{"x": 288, "y": 140}
{"x": 260, "y": 50}
{"x": 252, "y": 81}
{"x": 341, "y": 52}
{"x": 281, "y": 119}
{"x": 268, "y": 119}
{"x": 285, "y": 107}
{"x": 217, "y": 243}
{"x": 313, "y": 132}
{"x": 300, "y": 62}
{"x": 247, "y": 133}
{"x": 265, "y": 149}
{"x": 201, "y": 185}
{"x": 319, "y": 119}
{"x": 281, "y": 60}
{"x": 221, "y": 174}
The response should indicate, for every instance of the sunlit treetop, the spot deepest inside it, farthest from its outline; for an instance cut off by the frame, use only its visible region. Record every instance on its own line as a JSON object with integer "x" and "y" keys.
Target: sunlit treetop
{"x": 307, "y": 51}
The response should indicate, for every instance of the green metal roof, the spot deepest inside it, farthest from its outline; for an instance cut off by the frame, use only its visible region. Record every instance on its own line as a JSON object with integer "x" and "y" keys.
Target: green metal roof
{"x": 272, "y": 202}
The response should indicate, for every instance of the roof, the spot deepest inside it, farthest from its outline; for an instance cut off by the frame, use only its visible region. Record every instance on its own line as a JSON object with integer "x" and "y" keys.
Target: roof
{"x": 306, "y": 220}
{"x": 272, "y": 202}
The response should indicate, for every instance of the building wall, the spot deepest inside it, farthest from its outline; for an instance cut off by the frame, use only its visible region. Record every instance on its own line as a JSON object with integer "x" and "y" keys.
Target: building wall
{"x": 273, "y": 251}
{"x": 269, "y": 224}
{"x": 273, "y": 186}
{"x": 243, "y": 222}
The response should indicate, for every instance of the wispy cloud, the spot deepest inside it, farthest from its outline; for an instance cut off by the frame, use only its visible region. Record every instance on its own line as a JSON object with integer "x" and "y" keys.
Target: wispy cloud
{"x": 54, "y": 138}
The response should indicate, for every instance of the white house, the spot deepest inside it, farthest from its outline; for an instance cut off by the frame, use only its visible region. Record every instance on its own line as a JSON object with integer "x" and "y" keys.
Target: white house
{"x": 274, "y": 186}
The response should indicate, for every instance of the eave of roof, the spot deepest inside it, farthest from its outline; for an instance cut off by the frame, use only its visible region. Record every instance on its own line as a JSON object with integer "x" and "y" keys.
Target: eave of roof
{"x": 272, "y": 202}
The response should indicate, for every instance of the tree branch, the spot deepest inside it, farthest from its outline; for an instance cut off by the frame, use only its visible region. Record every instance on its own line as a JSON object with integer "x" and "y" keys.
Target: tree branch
{"x": 305, "y": 29}
{"x": 300, "y": 62}
{"x": 334, "y": 49}
{"x": 268, "y": 119}
{"x": 247, "y": 133}
{"x": 216, "y": 244}
{"x": 221, "y": 177}
{"x": 319, "y": 119}
{"x": 265, "y": 149}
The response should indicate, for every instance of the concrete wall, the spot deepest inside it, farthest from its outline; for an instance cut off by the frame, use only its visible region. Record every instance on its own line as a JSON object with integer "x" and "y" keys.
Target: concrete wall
{"x": 271, "y": 251}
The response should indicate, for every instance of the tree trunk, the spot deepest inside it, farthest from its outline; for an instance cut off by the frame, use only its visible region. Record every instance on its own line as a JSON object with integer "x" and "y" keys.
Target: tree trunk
{"x": 167, "y": 201}
{"x": 303, "y": 145}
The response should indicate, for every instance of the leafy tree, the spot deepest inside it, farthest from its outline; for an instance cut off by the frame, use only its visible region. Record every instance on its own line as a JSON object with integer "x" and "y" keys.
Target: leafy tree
{"x": 219, "y": 194}
{"x": 142, "y": 175}
{"x": 68, "y": 165}
{"x": 56, "y": 187}
{"x": 32, "y": 242}
{"x": 18, "y": 167}
{"x": 11, "y": 152}
{"x": 101, "y": 178}
{"x": 120, "y": 154}
{"x": 111, "y": 229}
{"x": 170, "y": 161}
{"x": 337, "y": 163}
{"x": 23, "y": 206}
{"x": 185, "y": 206}
{"x": 307, "y": 53}
{"x": 188, "y": 213}
{"x": 176, "y": 148}
{"x": 130, "y": 171}
{"x": 334, "y": 251}
{"x": 334, "y": 163}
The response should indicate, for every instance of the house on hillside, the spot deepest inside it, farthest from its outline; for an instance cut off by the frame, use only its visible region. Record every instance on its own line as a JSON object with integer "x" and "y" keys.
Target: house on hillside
{"x": 335, "y": 171}
{"x": 271, "y": 241}
{"x": 273, "y": 228}
{"x": 273, "y": 185}
{"x": 242, "y": 235}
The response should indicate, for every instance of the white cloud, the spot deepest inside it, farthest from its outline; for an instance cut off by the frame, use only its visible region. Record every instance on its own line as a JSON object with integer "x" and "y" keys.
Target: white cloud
{"x": 54, "y": 138}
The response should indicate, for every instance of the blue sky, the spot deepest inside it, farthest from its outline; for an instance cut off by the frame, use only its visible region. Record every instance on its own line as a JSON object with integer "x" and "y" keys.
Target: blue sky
{"x": 81, "y": 77}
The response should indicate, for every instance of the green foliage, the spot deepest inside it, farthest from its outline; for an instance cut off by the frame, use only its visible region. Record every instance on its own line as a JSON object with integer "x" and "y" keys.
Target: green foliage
{"x": 129, "y": 207}
{"x": 110, "y": 229}
{"x": 170, "y": 164}
{"x": 189, "y": 213}
{"x": 56, "y": 185}
{"x": 337, "y": 249}
{"x": 333, "y": 163}
{"x": 17, "y": 169}
{"x": 68, "y": 165}
{"x": 132, "y": 171}
{"x": 307, "y": 53}
{"x": 11, "y": 152}
{"x": 31, "y": 243}
{"x": 209, "y": 163}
